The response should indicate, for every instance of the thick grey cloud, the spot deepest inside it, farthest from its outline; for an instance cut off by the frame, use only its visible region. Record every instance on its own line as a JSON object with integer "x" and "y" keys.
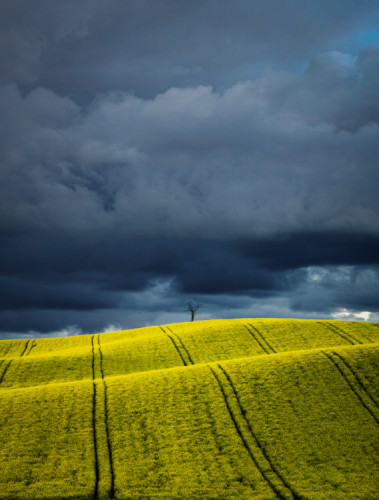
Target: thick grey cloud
{"x": 147, "y": 47}
{"x": 194, "y": 163}
{"x": 152, "y": 152}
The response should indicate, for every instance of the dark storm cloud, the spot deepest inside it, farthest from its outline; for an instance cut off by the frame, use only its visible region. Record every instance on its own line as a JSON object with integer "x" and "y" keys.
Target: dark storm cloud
{"x": 155, "y": 151}
{"x": 192, "y": 162}
{"x": 83, "y": 269}
{"x": 313, "y": 249}
{"x": 147, "y": 47}
{"x": 83, "y": 276}
{"x": 28, "y": 293}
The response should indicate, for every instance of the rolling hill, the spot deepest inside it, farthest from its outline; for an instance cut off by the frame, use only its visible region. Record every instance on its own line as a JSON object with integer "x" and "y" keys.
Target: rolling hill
{"x": 223, "y": 409}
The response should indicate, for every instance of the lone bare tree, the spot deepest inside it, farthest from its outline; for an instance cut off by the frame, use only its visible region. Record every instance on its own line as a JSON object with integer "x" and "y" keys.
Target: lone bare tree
{"x": 193, "y": 308}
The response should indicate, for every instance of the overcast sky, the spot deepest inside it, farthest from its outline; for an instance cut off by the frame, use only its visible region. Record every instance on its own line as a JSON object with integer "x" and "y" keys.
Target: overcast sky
{"x": 157, "y": 152}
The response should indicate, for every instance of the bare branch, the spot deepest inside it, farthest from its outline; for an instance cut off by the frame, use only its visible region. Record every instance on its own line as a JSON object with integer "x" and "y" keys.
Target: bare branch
{"x": 193, "y": 308}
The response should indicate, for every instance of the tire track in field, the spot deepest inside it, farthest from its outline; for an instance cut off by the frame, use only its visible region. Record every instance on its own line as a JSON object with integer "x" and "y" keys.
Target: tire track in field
{"x": 10, "y": 361}
{"x": 31, "y": 346}
{"x": 367, "y": 329}
{"x": 259, "y": 335}
{"x": 96, "y": 496}
{"x": 359, "y": 391}
{"x": 356, "y": 376}
{"x": 260, "y": 446}
{"x": 175, "y": 345}
{"x": 5, "y": 370}
{"x": 26, "y": 346}
{"x": 335, "y": 329}
{"x": 265, "y": 349}
{"x": 111, "y": 491}
{"x": 258, "y": 455}
{"x": 348, "y": 334}
{"x": 181, "y": 343}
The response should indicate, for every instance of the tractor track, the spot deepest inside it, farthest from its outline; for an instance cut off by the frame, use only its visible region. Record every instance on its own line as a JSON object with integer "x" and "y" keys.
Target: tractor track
{"x": 96, "y": 496}
{"x": 351, "y": 385}
{"x": 181, "y": 343}
{"x": 175, "y": 345}
{"x": 356, "y": 376}
{"x": 31, "y": 346}
{"x": 263, "y": 339}
{"x": 344, "y": 335}
{"x": 111, "y": 492}
{"x": 266, "y": 470}
{"x": 21, "y": 355}
{"x": 261, "y": 345}
{"x": 7, "y": 365}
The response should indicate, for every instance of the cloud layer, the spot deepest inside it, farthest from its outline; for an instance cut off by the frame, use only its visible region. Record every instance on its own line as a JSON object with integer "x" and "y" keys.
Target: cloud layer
{"x": 277, "y": 154}
{"x": 149, "y": 155}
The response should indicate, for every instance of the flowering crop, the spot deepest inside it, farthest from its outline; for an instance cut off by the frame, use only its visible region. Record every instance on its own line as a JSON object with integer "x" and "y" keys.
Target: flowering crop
{"x": 247, "y": 408}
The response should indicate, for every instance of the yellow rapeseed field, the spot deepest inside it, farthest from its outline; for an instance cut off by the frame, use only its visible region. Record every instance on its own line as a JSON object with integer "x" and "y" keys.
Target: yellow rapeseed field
{"x": 223, "y": 409}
